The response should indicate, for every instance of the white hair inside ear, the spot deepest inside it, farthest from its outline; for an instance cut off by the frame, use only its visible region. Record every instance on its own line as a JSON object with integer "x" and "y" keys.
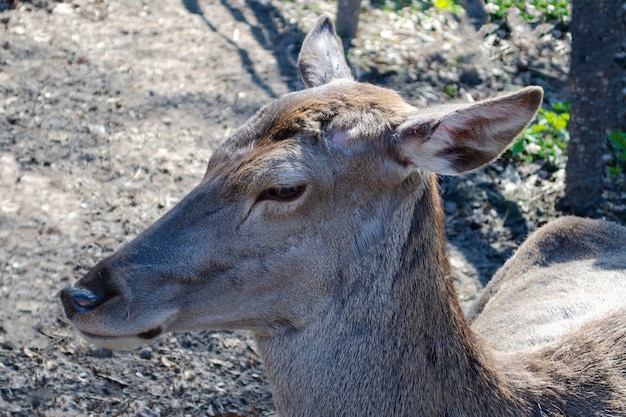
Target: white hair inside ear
{"x": 453, "y": 139}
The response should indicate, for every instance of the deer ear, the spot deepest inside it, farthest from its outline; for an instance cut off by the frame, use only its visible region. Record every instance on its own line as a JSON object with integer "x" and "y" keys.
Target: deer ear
{"x": 321, "y": 58}
{"x": 453, "y": 139}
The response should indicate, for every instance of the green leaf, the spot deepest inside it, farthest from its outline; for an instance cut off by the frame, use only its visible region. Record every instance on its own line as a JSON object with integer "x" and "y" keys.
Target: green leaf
{"x": 538, "y": 128}
{"x": 518, "y": 147}
{"x": 442, "y": 4}
{"x": 560, "y": 124}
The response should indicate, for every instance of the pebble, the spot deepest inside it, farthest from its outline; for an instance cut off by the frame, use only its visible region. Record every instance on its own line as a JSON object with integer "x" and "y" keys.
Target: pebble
{"x": 146, "y": 354}
{"x": 101, "y": 352}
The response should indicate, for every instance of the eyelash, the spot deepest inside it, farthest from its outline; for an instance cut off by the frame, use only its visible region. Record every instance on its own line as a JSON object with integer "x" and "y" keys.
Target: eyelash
{"x": 283, "y": 194}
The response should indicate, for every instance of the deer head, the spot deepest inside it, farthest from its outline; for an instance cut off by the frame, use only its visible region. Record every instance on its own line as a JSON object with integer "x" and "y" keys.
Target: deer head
{"x": 298, "y": 193}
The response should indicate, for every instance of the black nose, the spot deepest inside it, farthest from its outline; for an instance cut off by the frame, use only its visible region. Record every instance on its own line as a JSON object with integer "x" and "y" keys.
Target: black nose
{"x": 89, "y": 292}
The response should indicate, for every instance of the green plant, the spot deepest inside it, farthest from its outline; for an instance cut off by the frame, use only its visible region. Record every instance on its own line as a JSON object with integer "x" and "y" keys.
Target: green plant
{"x": 534, "y": 10}
{"x": 450, "y": 5}
{"x": 547, "y": 138}
{"x": 617, "y": 145}
{"x": 398, "y": 5}
{"x": 420, "y": 5}
{"x": 451, "y": 89}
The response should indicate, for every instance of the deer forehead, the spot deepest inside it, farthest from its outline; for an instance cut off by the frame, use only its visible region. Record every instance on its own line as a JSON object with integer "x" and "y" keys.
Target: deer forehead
{"x": 284, "y": 137}
{"x": 363, "y": 110}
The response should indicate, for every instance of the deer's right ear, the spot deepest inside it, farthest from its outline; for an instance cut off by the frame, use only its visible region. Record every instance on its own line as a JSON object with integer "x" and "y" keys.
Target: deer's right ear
{"x": 321, "y": 58}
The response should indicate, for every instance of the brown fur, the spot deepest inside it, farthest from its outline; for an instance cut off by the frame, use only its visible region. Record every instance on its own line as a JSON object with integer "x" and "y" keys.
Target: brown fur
{"x": 347, "y": 287}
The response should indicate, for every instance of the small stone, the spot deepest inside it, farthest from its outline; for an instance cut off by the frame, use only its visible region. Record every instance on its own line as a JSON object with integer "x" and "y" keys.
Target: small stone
{"x": 101, "y": 352}
{"x": 146, "y": 354}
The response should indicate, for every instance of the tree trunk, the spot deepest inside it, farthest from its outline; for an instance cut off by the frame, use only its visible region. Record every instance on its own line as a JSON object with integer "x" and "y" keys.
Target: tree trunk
{"x": 476, "y": 13}
{"x": 595, "y": 82}
{"x": 348, "y": 18}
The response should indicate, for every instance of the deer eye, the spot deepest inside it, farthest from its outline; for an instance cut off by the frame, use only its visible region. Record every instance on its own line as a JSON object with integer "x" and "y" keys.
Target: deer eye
{"x": 286, "y": 193}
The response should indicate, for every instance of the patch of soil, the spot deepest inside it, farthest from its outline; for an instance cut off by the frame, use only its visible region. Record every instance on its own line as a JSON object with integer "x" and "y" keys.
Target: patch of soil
{"x": 109, "y": 112}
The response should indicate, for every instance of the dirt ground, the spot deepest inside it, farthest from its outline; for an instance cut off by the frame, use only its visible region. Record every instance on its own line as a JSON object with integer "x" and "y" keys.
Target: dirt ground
{"x": 109, "y": 112}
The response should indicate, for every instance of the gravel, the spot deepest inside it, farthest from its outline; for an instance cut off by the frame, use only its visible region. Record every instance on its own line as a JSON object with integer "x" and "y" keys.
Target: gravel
{"x": 108, "y": 114}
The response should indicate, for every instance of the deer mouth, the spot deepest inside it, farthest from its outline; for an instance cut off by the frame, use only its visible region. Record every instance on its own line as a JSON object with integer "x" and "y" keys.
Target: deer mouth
{"x": 146, "y": 336}
{"x": 100, "y": 334}
{"x": 120, "y": 342}
{"x": 106, "y": 320}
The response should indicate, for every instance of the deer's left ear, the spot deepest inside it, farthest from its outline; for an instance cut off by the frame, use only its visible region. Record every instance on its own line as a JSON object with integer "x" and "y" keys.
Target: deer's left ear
{"x": 321, "y": 58}
{"x": 453, "y": 139}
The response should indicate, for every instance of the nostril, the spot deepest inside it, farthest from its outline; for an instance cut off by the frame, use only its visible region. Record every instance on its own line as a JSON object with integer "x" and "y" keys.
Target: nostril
{"x": 77, "y": 300}
{"x": 89, "y": 292}
{"x": 82, "y": 299}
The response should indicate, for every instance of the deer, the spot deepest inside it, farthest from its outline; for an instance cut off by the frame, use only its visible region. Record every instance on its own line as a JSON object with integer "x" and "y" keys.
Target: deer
{"x": 318, "y": 227}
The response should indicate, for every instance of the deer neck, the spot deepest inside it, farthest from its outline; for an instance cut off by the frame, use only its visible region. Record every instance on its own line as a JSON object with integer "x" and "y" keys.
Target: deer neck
{"x": 393, "y": 341}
